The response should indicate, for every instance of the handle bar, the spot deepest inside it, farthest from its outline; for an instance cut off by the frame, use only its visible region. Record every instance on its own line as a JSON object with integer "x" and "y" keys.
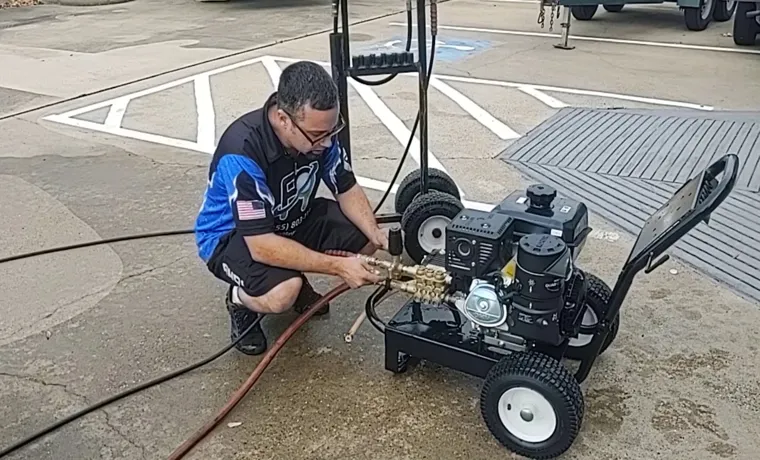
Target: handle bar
{"x": 693, "y": 202}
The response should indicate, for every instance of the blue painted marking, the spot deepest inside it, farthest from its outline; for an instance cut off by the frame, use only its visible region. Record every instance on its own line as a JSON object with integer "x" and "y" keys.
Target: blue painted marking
{"x": 446, "y": 49}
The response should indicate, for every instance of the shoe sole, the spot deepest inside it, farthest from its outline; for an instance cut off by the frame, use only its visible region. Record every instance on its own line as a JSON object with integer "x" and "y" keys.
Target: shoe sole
{"x": 251, "y": 352}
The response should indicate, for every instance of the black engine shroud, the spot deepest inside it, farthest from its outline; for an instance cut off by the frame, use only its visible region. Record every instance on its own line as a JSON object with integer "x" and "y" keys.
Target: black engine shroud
{"x": 544, "y": 299}
{"x": 543, "y": 234}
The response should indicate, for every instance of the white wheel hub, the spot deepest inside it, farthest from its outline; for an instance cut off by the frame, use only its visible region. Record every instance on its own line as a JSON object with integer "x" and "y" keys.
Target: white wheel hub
{"x": 527, "y": 414}
{"x": 706, "y": 8}
{"x": 589, "y": 319}
{"x": 432, "y": 233}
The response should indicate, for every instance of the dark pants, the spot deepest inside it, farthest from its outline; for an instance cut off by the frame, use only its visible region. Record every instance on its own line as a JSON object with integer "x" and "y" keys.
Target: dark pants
{"x": 324, "y": 229}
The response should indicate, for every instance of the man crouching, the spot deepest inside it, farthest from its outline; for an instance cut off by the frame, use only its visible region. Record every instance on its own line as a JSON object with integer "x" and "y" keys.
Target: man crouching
{"x": 260, "y": 226}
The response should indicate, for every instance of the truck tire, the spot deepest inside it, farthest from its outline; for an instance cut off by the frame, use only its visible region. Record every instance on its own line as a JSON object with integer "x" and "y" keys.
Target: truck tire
{"x": 584, "y": 12}
{"x": 724, "y": 9}
{"x": 699, "y": 18}
{"x": 745, "y": 29}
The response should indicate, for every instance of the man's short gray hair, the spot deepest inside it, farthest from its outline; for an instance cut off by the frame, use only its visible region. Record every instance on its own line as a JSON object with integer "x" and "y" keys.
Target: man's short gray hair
{"x": 305, "y": 83}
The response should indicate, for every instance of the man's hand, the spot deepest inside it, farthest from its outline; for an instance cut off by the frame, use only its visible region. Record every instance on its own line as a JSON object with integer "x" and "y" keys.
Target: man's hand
{"x": 356, "y": 272}
{"x": 380, "y": 238}
{"x": 356, "y": 207}
{"x": 275, "y": 250}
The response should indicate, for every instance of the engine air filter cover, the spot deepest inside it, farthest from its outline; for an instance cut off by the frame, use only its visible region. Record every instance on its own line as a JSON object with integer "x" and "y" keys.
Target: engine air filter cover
{"x": 538, "y": 252}
{"x": 543, "y": 262}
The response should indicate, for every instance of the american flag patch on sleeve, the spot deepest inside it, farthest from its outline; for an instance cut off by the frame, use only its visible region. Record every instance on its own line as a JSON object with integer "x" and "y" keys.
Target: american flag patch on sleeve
{"x": 251, "y": 210}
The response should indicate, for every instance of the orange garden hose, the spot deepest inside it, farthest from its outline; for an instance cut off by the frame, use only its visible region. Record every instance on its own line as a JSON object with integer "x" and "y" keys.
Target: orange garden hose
{"x": 185, "y": 448}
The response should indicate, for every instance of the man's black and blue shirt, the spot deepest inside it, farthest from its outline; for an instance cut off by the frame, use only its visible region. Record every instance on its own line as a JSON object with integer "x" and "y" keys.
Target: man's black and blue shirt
{"x": 255, "y": 187}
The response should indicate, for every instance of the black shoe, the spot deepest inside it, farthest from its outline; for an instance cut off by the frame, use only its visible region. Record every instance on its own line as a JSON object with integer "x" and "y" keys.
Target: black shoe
{"x": 307, "y": 297}
{"x": 241, "y": 318}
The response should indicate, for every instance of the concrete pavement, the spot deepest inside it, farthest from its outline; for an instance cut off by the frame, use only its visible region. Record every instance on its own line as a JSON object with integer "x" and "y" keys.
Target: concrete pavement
{"x": 679, "y": 382}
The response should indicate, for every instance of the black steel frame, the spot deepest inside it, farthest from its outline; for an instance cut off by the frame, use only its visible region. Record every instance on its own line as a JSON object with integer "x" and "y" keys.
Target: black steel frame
{"x": 435, "y": 333}
{"x": 340, "y": 57}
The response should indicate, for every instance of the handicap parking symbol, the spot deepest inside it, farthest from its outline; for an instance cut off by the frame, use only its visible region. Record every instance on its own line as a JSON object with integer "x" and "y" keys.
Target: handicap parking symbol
{"x": 448, "y": 50}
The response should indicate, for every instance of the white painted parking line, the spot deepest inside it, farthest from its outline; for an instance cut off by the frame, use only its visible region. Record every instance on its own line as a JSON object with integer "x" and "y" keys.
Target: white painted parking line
{"x": 129, "y": 133}
{"x": 374, "y": 184}
{"x": 394, "y": 124}
{"x": 620, "y": 41}
{"x": 273, "y": 70}
{"x": 583, "y": 92}
{"x": 204, "y": 106}
{"x": 543, "y": 97}
{"x": 157, "y": 89}
{"x": 477, "y": 112}
{"x": 116, "y": 112}
{"x": 559, "y": 89}
{"x": 206, "y": 112}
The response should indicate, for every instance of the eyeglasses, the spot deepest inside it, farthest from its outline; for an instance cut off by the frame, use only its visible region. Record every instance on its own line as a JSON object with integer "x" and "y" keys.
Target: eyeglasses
{"x": 338, "y": 128}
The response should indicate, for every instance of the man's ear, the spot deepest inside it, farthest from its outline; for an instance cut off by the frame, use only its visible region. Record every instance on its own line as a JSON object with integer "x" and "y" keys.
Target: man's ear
{"x": 282, "y": 117}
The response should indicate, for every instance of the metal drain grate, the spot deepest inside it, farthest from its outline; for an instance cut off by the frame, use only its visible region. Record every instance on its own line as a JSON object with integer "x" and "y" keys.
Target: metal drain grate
{"x": 666, "y": 147}
{"x": 626, "y": 164}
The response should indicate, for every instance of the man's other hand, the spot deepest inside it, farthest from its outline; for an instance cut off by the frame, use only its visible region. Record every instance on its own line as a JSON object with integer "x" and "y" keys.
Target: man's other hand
{"x": 357, "y": 273}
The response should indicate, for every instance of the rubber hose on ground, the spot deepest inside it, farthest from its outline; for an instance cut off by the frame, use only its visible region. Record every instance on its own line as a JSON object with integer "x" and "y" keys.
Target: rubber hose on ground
{"x": 185, "y": 448}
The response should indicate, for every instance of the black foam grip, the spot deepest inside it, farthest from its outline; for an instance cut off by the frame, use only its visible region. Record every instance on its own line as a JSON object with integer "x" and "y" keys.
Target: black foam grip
{"x": 395, "y": 244}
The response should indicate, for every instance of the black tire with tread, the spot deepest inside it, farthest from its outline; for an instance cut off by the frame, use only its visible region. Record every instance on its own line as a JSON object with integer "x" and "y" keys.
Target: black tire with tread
{"x": 547, "y": 376}
{"x": 584, "y": 12}
{"x": 432, "y": 203}
{"x": 693, "y": 17}
{"x": 410, "y": 187}
{"x": 721, "y": 13}
{"x": 598, "y": 299}
{"x": 613, "y": 8}
{"x": 745, "y": 29}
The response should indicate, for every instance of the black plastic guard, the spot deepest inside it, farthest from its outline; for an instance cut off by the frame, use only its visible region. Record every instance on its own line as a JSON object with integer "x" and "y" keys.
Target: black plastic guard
{"x": 691, "y": 204}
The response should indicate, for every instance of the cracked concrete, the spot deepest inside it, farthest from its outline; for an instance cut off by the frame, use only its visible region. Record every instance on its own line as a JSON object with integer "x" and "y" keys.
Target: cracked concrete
{"x": 118, "y": 431}
{"x": 86, "y": 276}
{"x": 75, "y": 328}
{"x": 40, "y": 382}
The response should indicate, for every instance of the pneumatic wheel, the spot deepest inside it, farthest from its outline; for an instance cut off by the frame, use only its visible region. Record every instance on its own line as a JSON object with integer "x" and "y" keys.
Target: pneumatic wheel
{"x": 614, "y": 8}
{"x": 424, "y": 223}
{"x": 532, "y": 404}
{"x": 699, "y": 18}
{"x": 410, "y": 187}
{"x": 584, "y": 12}
{"x": 724, "y": 10}
{"x": 746, "y": 29}
{"x": 596, "y": 305}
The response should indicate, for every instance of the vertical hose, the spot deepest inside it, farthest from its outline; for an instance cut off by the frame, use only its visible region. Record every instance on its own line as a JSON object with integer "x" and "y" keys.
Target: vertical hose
{"x": 433, "y": 18}
{"x": 346, "y": 35}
